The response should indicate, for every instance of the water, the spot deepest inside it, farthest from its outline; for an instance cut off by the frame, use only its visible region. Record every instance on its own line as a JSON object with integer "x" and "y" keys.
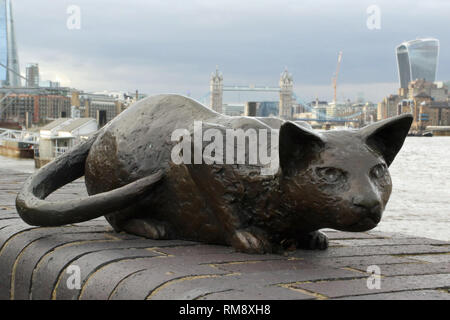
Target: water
{"x": 420, "y": 200}
{"x": 20, "y": 165}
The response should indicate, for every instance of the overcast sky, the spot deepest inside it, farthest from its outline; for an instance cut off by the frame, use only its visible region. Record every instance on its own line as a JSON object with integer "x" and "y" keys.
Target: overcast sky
{"x": 173, "y": 46}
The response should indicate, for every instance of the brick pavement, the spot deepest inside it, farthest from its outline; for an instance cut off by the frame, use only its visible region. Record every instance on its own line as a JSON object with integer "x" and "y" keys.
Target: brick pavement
{"x": 36, "y": 263}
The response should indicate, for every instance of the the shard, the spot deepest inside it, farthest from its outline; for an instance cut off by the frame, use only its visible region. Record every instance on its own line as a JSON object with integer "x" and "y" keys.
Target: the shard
{"x": 9, "y": 68}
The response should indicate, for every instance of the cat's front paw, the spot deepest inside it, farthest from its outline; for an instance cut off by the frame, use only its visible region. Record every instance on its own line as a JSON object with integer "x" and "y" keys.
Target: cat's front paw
{"x": 250, "y": 241}
{"x": 315, "y": 240}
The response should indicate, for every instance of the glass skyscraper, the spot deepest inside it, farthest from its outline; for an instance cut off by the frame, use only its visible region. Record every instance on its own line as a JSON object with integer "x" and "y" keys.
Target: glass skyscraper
{"x": 9, "y": 76}
{"x": 417, "y": 59}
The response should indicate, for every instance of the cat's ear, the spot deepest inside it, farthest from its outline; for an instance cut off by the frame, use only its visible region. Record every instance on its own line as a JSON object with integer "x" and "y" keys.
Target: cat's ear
{"x": 387, "y": 136}
{"x": 298, "y": 145}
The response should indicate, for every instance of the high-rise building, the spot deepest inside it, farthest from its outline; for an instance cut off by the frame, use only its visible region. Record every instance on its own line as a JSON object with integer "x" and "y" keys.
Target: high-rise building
{"x": 32, "y": 72}
{"x": 417, "y": 59}
{"x": 9, "y": 76}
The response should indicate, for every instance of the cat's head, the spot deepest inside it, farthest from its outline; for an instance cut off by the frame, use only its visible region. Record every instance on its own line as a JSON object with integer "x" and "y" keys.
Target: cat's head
{"x": 340, "y": 179}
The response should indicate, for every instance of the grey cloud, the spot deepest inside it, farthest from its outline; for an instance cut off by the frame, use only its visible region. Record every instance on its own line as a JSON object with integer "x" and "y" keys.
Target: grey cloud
{"x": 174, "y": 45}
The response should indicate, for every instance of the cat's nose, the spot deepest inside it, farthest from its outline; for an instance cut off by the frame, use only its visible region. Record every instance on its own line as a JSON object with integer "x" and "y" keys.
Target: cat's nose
{"x": 371, "y": 204}
{"x": 367, "y": 203}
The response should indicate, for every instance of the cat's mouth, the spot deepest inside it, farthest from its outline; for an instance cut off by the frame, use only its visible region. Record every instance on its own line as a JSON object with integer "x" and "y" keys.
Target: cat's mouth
{"x": 364, "y": 224}
{"x": 369, "y": 220}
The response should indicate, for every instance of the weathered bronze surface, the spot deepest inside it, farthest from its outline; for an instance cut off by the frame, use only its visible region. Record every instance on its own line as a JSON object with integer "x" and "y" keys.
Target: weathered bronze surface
{"x": 332, "y": 179}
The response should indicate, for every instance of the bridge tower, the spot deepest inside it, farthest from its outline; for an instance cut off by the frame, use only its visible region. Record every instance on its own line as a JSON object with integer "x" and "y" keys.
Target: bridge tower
{"x": 286, "y": 95}
{"x": 216, "y": 89}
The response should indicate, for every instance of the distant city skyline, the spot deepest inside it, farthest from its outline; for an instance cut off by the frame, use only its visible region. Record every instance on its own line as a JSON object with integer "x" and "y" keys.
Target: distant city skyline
{"x": 173, "y": 46}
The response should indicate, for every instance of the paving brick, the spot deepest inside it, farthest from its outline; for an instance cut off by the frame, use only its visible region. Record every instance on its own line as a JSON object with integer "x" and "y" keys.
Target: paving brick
{"x": 102, "y": 284}
{"x": 225, "y": 285}
{"x": 6, "y": 214}
{"x": 262, "y": 266}
{"x": 200, "y": 249}
{"x": 358, "y": 261}
{"x": 371, "y": 250}
{"x": 333, "y": 235}
{"x": 88, "y": 264}
{"x": 13, "y": 249}
{"x": 96, "y": 222}
{"x": 435, "y": 258}
{"x": 413, "y": 269}
{"x": 7, "y": 222}
{"x": 314, "y": 273}
{"x": 11, "y": 230}
{"x": 8, "y": 198}
{"x": 342, "y": 288}
{"x": 18, "y": 243}
{"x": 388, "y": 242}
{"x": 28, "y": 260}
{"x": 254, "y": 283}
{"x": 404, "y": 295}
{"x": 46, "y": 273}
{"x": 382, "y": 234}
{"x": 270, "y": 293}
{"x": 140, "y": 285}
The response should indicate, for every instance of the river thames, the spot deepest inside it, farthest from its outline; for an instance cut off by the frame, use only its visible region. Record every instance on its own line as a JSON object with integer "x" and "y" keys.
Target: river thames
{"x": 420, "y": 200}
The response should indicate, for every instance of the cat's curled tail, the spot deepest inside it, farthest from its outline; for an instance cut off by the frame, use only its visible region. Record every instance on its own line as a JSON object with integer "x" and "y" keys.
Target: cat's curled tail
{"x": 34, "y": 210}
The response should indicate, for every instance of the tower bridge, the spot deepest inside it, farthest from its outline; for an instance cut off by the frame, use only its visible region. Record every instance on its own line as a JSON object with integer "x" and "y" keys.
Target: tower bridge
{"x": 287, "y": 98}
{"x": 285, "y": 89}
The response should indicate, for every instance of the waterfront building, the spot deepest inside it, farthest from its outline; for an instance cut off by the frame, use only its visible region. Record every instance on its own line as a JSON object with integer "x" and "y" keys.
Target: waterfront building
{"x": 59, "y": 136}
{"x": 369, "y": 113}
{"x": 37, "y": 105}
{"x": 339, "y": 109}
{"x": 388, "y": 107}
{"x": 127, "y": 98}
{"x": 49, "y": 84}
{"x": 439, "y": 113}
{"x": 268, "y": 109}
{"x": 250, "y": 109}
{"x": 102, "y": 107}
{"x": 318, "y": 108}
{"x": 428, "y": 103}
{"x": 417, "y": 59}
{"x": 437, "y": 90}
{"x": 9, "y": 76}
{"x": 234, "y": 109}
{"x": 32, "y": 75}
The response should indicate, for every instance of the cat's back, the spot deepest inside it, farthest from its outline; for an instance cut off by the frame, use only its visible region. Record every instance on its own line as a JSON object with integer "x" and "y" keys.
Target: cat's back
{"x": 139, "y": 141}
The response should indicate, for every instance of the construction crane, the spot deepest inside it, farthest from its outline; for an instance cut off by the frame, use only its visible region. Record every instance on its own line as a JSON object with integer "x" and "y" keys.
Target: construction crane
{"x": 336, "y": 76}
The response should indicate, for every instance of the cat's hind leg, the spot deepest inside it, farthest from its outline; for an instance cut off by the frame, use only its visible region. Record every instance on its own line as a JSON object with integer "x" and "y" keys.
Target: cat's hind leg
{"x": 251, "y": 240}
{"x": 148, "y": 228}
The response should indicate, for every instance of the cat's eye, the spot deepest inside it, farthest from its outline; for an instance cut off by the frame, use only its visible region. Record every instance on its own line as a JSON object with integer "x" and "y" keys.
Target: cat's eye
{"x": 331, "y": 175}
{"x": 379, "y": 171}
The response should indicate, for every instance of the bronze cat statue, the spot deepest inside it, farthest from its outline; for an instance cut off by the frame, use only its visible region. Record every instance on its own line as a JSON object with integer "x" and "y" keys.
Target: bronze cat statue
{"x": 334, "y": 179}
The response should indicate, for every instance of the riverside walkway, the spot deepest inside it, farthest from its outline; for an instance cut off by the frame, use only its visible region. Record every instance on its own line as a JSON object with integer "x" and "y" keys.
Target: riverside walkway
{"x": 90, "y": 261}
